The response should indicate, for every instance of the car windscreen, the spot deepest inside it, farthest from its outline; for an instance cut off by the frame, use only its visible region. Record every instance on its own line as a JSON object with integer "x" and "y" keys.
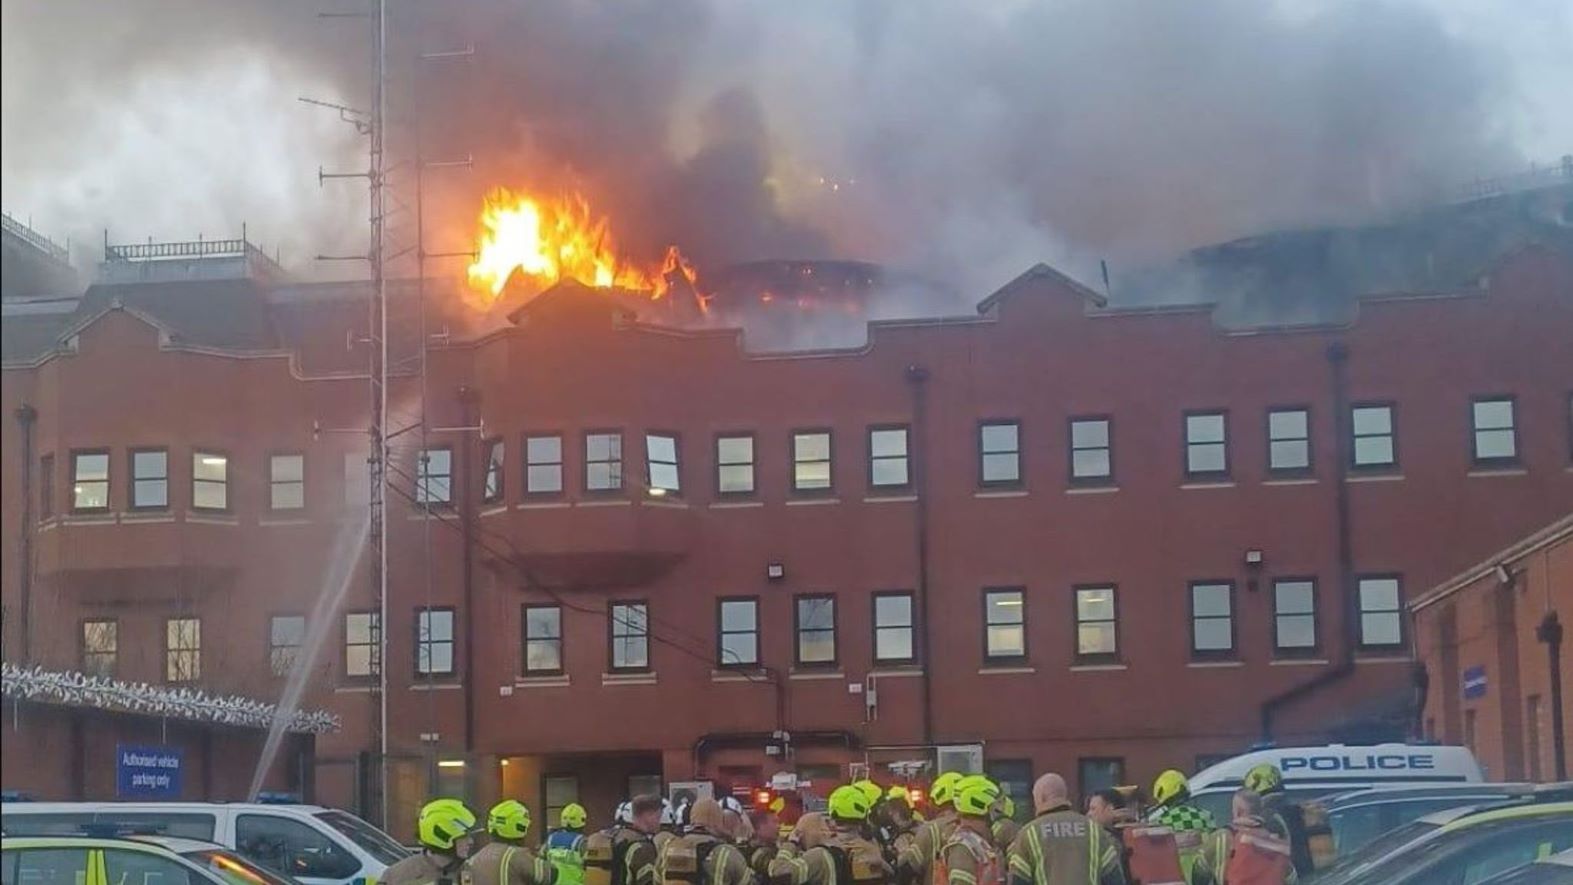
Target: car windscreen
{"x": 370, "y": 839}
{"x": 233, "y": 868}
{"x": 1473, "y": 852}
{"x": 1374, "y": 850}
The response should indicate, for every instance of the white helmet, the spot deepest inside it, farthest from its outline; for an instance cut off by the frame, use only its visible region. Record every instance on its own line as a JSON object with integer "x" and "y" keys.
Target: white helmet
{"x": 731, "y": 803}
{"x": 624, "y": 813}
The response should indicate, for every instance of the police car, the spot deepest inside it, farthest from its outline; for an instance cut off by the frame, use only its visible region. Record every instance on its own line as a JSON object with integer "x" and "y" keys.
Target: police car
{"x": 1316, "y": 771}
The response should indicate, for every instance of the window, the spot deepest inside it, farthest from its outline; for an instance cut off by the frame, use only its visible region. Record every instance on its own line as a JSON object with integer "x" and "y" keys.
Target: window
{"x": 145, "y": 868}
{"x": 811, "y": 461}
{"x": 1097, "y": 634}
{"x": 1092, "y": 451}
{"x": 663, "y": 476}
{"x": 1381, "y": 612}
{"x": 603, "y": 462}
{"x": 182, "y": 649}
{"x": 734, "y": 459}
{"x": 286, "y": 482}
{"x": 1375, "y": 443}
{"x": 1099, "y": 773}
{"x": 558, "y": 792}
{"x": 492, "y": 483}
{"x": 434, "y": 641}
{"x": 89, "y": 481}
{"x": 1496, "y": 437}
{"x": 1289, "y": 441}
{"x": 893, "y": 634}
{"x": 286, "y": 634}
{"x": 434, "y": 476}
{"x": 1212, "y": 619}
{"x": 1206, "y": 444}
{"x": 46, "y": 487}
{"x": 999, "y": 453}
{"x": 100, "y": 647}
{"x": 630, "y": 636}
{"x": 149, "y": 479}
{"x": 1015, "y": 779}
{"x": 1294, "y": 615}
{"x": 362, "y": 644}
{"x": 47, "y": 866}
{"x": 209, "y": 481}
{"x": 543, "y": 465}
{"x": 291, "y": 847}
{"x": 816, "y": 630}
{"x": 738, "y": 623}
{"x": 543, "y": 640}
{"x": 887, "y": 457}
{"x": 1004, "y": 625}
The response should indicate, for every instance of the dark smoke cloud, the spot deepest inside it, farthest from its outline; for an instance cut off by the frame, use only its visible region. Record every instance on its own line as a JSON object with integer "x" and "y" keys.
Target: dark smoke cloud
{"x": 961, "y": 140}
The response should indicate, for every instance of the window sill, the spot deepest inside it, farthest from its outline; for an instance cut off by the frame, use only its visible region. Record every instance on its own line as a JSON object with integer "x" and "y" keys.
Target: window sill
{"x": 147, "y": 517}
{"x": 1298, "y": 662}
{"x": 811, "y": 675}
{"x": 889, "y": 499}
{"x": 1208, "y": 484}
{"x": 1214, "y": 665}
{"x": 1384, "y": 659}
{"x": 739, "y": 675}
{"x": 628, "y": 678}
{"x": 1092, "y": 490}
{"x": 812, "y": 502}
{"x": 1499, "y": 471}
{"x": 90, "y": 518}
{"x": 897, "y": 672}
{"x": 293, "y": 521}
{"x": 665, "y": 502}
{"x": 557, "y": 681}
{"x": 1294, "y": 481}
{"x": 1001, "y": 493}
{"x": 421, "y": 684}
{"x": 1006, "y": 671}
{"x": 1098, "y": 668}
{"x": 493, "y": 510}
{"x": 355, "y": 689}
{"x": 1374, "y": 477}
{"x": 542, "y": 505}
{"x": 197, "y": 518}
{"x": 735, "y": 505}
{"x": 609, "y": 502}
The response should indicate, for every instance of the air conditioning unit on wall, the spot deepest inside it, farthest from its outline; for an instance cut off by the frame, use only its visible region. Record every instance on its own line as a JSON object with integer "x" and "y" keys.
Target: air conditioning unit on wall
{"x": 965, "y": 758}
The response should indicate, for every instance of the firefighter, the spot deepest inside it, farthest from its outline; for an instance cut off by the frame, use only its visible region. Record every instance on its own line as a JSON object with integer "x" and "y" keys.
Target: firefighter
{"x": 1282, "y": 814}
{"x": 673, "y": 819}
{"x": 625, "y": 854}
{"x": 916, "y": 862}
{"x": 1061, "y": 846}
{"x": 443, "y": 829}
{"x": 1004, "y": 826}
{"x": 564, "y": 846}
{"x": 1248, "y": 851}
{"x": 894, "y": 823}
{"x": 704, "y": 855}
{"x": 969, "y": 856}
{"x": 506, "y": 860}
{"x": 803, "y": 858}
{"x": 767, "y": 838}
{"x": 819, "y": 853}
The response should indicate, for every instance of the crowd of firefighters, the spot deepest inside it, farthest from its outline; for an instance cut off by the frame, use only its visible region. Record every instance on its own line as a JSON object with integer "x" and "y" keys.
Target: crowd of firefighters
{"x": 870, "y": 835}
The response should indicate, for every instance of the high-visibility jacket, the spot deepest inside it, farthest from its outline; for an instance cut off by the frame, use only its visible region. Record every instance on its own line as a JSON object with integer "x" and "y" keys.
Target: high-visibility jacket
{"x": 969, "y": 857}
{"x": 1062, "y": 847}
{"x": 1005, "y": 831}
{"x": 565, "y": 850}
{"x": 844, "y": 859}
{"x": 700, "y": 858}
{"x": 501, "y": 863}
{"x": 1247, "y": 855}
{"x": 917, "y": 858}
{"x": 426, "y": 868}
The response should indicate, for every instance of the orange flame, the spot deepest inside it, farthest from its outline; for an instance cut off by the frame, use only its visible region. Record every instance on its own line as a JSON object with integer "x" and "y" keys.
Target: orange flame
{"x": 550, "y": 240}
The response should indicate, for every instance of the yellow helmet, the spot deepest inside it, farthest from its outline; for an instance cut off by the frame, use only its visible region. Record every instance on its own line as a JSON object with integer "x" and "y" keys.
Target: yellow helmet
{"x": 1007, "y": 806}
{"x": 572, "y": 816}
{"x": 849, "y": 803}
{"x": 1264, "y": 778}
{"x": 442, "y": 823}
{"x": 975, "y": 795}
{"x": 944, "y": 788}
{"x": 508, "y": 819}
{"x": 1171, "y": 786}
{"x": 898, "y": 793}
{"x": 870, "y": 791}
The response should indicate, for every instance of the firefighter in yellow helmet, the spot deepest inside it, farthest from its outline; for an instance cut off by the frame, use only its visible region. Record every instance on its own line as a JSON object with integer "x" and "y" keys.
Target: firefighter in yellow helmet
{"x": 834, "y": 852}
{"x": 443, "y": 829}
{"x": 894, "y": 823}
{"x": 969, "y": 856}
{"x": 506, "y": 860}
{"x": 1280, "y": 814}
{"x": 1061, "y": 846}
{"x": 1003, "y": 822}
{"x": 916, "y": 862}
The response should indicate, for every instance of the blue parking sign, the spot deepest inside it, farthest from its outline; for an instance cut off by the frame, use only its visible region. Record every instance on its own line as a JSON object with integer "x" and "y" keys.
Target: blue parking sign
{"x": 148, "y": 772}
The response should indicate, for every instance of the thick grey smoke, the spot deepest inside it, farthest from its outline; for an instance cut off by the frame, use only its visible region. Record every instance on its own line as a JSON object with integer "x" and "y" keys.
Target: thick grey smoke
{"x": 962, "y": 140}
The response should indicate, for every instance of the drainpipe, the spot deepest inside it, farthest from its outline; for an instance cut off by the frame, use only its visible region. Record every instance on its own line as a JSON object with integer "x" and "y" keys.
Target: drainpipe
{"x": 917, "y": 377}
{"x": 1549, "y": 631}
{"x": 26, "y": 417}
{"x": 1338, "y": 376}
{"x": 467, "y": 400}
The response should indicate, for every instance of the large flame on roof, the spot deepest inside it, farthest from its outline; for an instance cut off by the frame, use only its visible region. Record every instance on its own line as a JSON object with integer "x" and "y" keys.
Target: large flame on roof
{"x": 551, "y": 239}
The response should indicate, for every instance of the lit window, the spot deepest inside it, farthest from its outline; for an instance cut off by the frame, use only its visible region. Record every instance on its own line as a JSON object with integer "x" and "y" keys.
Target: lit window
{"x": 434, "y": 476}
{"x": 286, "y": 634}
{"x": 362, "y": 644}
{"x": 149, "y": 479}
{"x": 811, "y": 461}
{"x": 1206, "y": 444}
{"x": 1288, "y": 440}
{"x": 100, "y": 647}
{"x": 734, "y": 457}
{"x": 887, "y": 457}
{"x": 434, "y": 641}
{"x": 739, "y": 632}
{"x": 1381, "y": 612}
{"x": 89, "y": 480}
{"x": 1004, "y": 625}
{"x": 661, "y": 461}
{"x": 543, "y": 639}
{"x": 1097, "y": 635}
{"x": 209, "y": 481}
{"x": 1496, "y": 438}
{"x": 287, "y": 482}
{"x": 893, "y": 633}
{"x": 999, "y": 453}
{"x": 1212, "y": 619}
{"x": 630, "y": 636}
{"x": 816, "y": 629}
{"x": 492, "y": 485}
{"x": 603, "y": 462}
{"x": 543, "y": 465}
{"x": 182, "y": 649}
{"x": 1294, "y": 614}
{"x": 1375, "y": 444}
{"x": 1092, "y": 450}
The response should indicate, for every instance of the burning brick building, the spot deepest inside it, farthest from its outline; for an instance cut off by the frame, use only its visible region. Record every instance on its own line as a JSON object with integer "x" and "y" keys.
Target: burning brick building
{"x": 1050, "y": 535}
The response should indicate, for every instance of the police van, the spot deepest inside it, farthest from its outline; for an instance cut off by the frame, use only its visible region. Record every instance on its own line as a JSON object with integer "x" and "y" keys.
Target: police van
{"x": 1317, "y": 771}
{"x": 308, "y": 843}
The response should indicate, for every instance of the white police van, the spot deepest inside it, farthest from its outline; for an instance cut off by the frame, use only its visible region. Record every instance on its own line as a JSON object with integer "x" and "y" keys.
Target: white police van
{"x": 309, "y": 843}
{"x": 1317, "y": 771}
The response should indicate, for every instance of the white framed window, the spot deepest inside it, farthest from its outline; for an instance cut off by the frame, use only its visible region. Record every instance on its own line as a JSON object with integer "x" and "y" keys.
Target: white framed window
{"x": 434, "y": 641}
{"x": 1294, "y": 615}
{"x": 894, "y": 635}
{"x": 603, "y": 461}
{"x": 209, "y": 481}
{"x": 999, "y": 453}
{"x": 287, "y": 482}
{"x": 811, "y": 461}
{"x": 1097, "y": 624}
{"x": 1091, "y": 450}
{"x": 737, "y": 626}
{"x": 662, "y": 473}
{"x": 734, "y": 458}
{"x": 434, "y": 476}
{"x": 1495, "y": 430}
{"x": 1212, "y": 619}
{"x": 286, "y": 634}
{"x": 1381, "y": 612}
{"x": 1374, "y": 438}
{"x": 182, "y": 649}
{"x": 543, "y": 465}
{"x": 1206, "y": 444}
{"x": 630, "y": 636}
{"x": 362, "y": 644}
{"x": 1004, "y": 625}
{"x": 492, "y": 482}
{"x": 543, "y": 640}
{"x": 888, "y": 466}
{"x": 149, "y": 479}
{"x": 1289, "y": 440}
{"x": 90, "y": 481}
